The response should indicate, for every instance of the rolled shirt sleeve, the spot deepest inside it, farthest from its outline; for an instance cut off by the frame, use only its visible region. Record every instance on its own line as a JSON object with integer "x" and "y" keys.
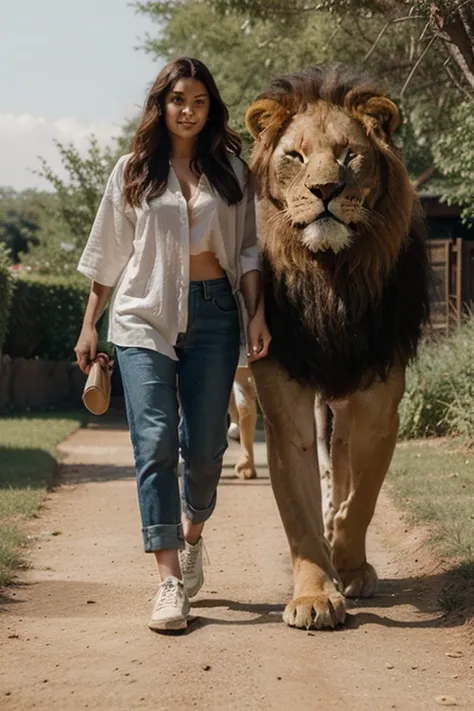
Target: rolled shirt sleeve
{"x": 110, "y": 242}
{"x": 249, "y": 253}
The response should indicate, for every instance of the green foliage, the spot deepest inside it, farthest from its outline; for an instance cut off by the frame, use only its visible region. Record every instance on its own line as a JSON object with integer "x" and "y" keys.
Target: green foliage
{"x": 454, "y": 154}
{"x": 45, "y": 316}
{"x": 246, "y": 42}
{"x": 68, "y": 212}
{"x": 19, "y": 221}
{"x": 80, "y": 194}
{"x": 6, "y": 288}
{"x": 439, "y": 397}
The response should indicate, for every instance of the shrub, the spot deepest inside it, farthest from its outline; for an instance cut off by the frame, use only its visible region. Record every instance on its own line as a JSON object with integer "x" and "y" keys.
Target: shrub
{"x": 45, "y": 316}
{"x": 6, "y": 288}
{"x": 439, "y": 397}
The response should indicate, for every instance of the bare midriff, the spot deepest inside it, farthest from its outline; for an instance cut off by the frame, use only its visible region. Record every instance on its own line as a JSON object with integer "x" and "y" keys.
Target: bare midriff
{"x": 204, "y": 266}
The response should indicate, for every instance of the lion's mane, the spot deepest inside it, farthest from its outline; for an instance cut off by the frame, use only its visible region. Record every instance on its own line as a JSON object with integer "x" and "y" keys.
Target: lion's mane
{"x": 339, "y": 320}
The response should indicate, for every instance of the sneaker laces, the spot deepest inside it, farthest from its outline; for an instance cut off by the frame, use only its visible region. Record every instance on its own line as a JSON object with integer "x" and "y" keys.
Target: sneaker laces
{"x": 188, "y": 561}
{"x": 168, "y": 592}
{"x": 190, "y": 554}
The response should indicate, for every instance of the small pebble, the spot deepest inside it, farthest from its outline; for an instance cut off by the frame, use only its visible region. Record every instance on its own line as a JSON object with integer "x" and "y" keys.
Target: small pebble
{"x": 453, "y": 655}
{"x": 206, "y": 667}
{"x": 446, "y": 700}
{"x": 388, "y": 666}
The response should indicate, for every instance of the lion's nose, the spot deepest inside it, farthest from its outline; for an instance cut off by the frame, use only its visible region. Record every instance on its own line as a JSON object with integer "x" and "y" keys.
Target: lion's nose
{"x": 327, "y": 191}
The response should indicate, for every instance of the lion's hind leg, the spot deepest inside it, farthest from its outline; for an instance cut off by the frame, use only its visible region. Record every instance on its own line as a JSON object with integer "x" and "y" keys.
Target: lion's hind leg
{"x": 245, "y": 399}
{"x": 291, "y": 445}
{"x": 373, "y": 420}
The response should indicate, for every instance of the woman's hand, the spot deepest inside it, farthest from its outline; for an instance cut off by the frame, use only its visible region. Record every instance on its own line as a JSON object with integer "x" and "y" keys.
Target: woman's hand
{"x": 86, "y": 348}
{"x": 258, "y": 337}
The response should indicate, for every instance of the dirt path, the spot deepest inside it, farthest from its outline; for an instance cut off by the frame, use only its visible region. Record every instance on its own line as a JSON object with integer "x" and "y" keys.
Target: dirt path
{"x": 74, "y": 634}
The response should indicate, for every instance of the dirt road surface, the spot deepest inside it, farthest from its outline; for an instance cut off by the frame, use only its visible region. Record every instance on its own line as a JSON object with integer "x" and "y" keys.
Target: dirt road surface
{"x": 73, "y": 633}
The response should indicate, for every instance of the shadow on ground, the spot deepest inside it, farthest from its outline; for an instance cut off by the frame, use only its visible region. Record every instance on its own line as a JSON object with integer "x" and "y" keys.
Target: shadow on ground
{"x": 22, "y": 468}
{"x": 63, "y": 599}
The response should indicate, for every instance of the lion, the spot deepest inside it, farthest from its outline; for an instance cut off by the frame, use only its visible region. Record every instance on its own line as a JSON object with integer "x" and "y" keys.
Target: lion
{"x": 242, "y": 428}
{"x": 346, "y": 285}
{"x": 243, "y": 415}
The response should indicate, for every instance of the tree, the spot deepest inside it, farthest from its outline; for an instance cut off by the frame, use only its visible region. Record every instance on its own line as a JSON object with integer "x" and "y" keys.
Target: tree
{"x": 19, "y": 221}
{"x": 408, "y": 43}
{"x": 450, "y": 22}
{"x": 454, "y": 154}
{"x": 70, "y": 210}
{"x": 79, "y": 195}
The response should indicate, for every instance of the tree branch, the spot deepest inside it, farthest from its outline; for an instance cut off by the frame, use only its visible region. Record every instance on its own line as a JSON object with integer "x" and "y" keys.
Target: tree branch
{"x": 452, "y": 30}
{"x": 416, "y": 65}
{"x": 423, "y": 177}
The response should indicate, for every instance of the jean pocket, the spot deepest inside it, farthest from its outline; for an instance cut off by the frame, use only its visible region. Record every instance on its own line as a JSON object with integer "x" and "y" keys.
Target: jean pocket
{"x": 225, "y": 303}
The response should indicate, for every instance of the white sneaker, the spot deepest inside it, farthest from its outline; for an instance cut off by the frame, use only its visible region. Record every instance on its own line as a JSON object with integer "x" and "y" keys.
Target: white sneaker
{"x": 171, "y": 608}
{"x": 191, "y": 567}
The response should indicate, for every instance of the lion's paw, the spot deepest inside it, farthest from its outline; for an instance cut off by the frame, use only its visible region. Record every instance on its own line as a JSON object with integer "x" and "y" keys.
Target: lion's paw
{"x": 243, "y": 470}
{"x": 361, "y": 582}
{"x": 316, "y": 612}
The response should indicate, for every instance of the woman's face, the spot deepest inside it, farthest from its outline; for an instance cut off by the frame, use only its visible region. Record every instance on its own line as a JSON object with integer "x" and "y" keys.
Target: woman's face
{"x": 186, "y": 108}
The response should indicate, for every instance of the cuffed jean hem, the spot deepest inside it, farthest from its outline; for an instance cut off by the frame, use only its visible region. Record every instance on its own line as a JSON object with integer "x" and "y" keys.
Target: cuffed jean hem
{"x": 162, "y": 537}
{"x": 197, "y": 515}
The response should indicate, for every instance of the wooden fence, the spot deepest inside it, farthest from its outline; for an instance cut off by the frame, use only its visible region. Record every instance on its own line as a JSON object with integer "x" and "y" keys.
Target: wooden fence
{"x": 452, "y": 295}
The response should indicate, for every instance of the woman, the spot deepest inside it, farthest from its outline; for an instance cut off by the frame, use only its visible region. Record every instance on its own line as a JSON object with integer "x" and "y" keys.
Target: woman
{"x": 175, "y": 238}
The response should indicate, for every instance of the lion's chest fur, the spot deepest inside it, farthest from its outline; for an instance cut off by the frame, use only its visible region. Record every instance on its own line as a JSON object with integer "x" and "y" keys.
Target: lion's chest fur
{"x": 331, "y": 335}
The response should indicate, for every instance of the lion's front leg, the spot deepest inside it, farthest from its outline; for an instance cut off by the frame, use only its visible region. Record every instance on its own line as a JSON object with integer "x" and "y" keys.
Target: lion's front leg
{"x": 291, "y": 444}
{"x": 373, "y": 420}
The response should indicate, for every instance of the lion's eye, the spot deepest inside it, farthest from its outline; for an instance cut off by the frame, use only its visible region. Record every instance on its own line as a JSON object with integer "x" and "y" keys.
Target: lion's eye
{"x": 346, "y": 156}
{"x": 296, "y": 155}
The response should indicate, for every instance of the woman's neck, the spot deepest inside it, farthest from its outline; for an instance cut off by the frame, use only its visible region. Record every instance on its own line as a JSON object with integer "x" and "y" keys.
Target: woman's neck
{"x": 182, "y": 149}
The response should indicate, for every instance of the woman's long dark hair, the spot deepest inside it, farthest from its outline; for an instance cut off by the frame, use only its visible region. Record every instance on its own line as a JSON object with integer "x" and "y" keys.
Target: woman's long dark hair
{"x": 146, "y": 173}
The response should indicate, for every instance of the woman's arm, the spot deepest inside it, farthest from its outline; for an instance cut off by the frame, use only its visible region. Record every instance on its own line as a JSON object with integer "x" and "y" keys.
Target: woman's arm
{"x": 86, "y": 346}
{"x": 251, "y": 287}
{"x": 105, "y": 255}
{"x": 258, "y": 335}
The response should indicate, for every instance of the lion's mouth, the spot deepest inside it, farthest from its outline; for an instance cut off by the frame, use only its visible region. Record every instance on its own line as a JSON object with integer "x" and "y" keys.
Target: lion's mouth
{"x": 324, "y": 215}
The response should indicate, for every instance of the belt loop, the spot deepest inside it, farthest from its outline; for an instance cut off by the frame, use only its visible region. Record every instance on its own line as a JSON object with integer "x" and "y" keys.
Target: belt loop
{"x": 206, "y": 291}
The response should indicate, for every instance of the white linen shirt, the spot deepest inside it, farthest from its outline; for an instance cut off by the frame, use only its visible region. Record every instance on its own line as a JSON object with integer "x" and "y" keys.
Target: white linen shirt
{"x": 144, "y": 253}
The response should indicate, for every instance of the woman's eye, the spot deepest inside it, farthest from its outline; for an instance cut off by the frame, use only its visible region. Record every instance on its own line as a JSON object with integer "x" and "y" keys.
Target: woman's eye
{"x": 296, "y": 155}
{"x": 176, "y": 99}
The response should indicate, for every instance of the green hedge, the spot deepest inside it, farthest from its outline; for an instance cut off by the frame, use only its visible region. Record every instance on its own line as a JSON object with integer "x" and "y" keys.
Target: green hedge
{"x": 45, "y": 316}
{"x": 6, "y": 288}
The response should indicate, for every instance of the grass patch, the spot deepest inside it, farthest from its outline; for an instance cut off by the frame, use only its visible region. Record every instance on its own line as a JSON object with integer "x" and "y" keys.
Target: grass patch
{"x": 28, "y": 463}
{"x": 432, "y": 481}
{"x": 439, "y": 394}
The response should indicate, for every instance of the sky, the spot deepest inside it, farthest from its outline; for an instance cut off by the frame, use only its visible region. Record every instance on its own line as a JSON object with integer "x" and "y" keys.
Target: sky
{"x": 67, "y": 69}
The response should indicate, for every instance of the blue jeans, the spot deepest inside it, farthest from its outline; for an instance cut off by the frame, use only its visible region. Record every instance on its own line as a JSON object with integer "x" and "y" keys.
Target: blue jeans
{"x": 203, "y": 374}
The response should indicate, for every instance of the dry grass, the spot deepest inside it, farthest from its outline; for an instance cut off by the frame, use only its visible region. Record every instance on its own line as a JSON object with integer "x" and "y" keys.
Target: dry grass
{"x": 432, "y": 481}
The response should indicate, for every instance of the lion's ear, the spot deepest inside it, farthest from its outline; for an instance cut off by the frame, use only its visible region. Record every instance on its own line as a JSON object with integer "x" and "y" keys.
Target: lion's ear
{"x": 262, "y": 114}
{"x": 384, "y": 113}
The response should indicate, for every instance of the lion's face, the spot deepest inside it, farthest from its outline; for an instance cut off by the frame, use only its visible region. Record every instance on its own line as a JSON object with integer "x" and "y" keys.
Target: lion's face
{"x": 325, "y": 171}
{"x": 329, "y": 176}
